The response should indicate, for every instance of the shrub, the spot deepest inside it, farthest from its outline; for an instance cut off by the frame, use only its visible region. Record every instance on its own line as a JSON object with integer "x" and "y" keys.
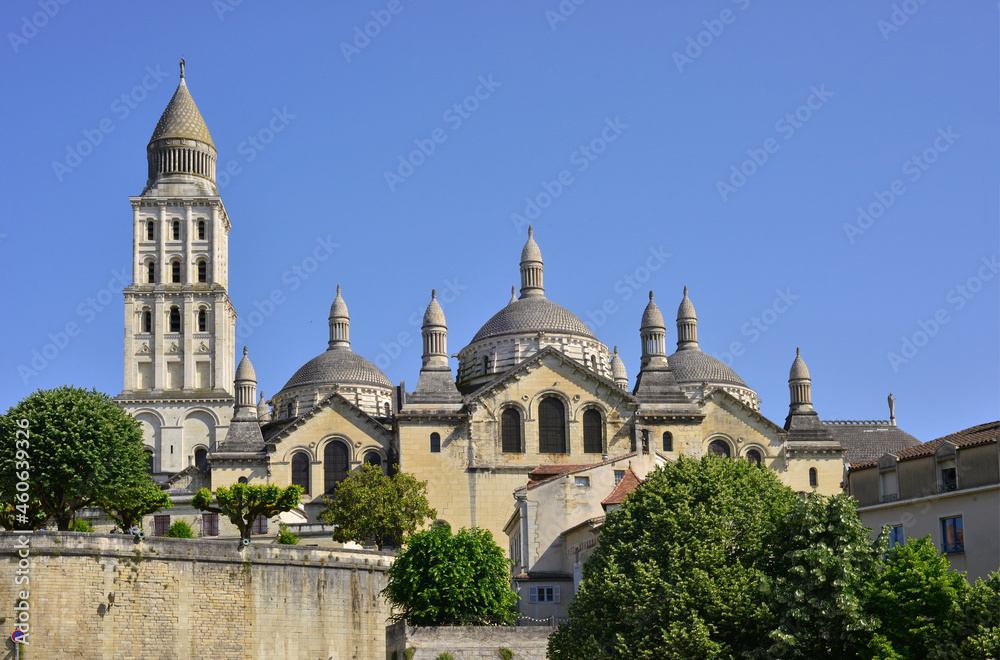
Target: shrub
{"x": 409, "y": 653}
{"x": 82, "y": 526}
{"x": 505, "y": 653}
{"x": 180, "y": 530}
{"x": 286, "y": 537}
{"x": 445, "y": 656}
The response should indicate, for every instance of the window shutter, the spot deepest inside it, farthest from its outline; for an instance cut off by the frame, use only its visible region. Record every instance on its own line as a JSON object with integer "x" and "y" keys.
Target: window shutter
{"x": 532, "y": 594}
{"x": 555, "y": 594}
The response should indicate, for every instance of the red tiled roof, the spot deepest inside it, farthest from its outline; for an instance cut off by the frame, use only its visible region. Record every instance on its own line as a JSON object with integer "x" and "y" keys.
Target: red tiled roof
{"x": 538, "y": 476}
{"x": 970, "y": 437}
{"x": 630, "y": 481}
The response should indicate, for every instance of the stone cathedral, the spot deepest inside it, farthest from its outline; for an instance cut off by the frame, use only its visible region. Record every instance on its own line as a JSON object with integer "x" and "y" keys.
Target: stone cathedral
{"x": 535, "y": 389}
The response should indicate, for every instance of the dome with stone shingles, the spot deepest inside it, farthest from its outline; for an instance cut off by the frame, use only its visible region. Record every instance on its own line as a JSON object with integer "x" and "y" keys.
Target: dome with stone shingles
{"x": 533, "y": 314}
{"x": 182, "y": 119}
{"x": 338, "y": 366}
{"x": 697, "y": 367}
{"x": 434, "y": 314}
{"x": 244, "y": 371}
{"x": 531, "y": 252}
{"x": 651, "y": 317}
{"x": 799, "y": 370}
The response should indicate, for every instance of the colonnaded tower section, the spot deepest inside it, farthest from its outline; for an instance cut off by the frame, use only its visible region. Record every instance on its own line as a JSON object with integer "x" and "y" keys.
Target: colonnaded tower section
{"x": 179, "y": 322}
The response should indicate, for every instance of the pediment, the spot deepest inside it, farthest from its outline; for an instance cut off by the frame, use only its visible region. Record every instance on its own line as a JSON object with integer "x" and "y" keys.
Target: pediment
{"x": 335, "y": 411}
{"x": 550, "y": 369}
{"x": 726, "y": 401}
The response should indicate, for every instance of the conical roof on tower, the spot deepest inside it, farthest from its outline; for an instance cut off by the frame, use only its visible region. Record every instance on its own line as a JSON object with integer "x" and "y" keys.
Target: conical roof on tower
{"x": 686, "y": 308}
{"x": 652, "y": 317}
{"x": 799, "y": 370}
{"x": 245, "y": 371}
{"x": 181, "y": 118}
{"x": 339, "y": 308}
{"x": 530, "y": 253}
{"x": 618, "y": 372}
{"x": 434, "y": 314}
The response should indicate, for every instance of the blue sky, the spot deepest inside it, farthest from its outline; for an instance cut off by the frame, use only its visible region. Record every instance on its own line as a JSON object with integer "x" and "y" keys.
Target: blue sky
{"x": 726, "y": 146}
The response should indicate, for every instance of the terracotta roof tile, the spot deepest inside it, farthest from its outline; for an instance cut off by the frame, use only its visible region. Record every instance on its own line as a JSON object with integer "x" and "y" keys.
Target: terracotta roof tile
{"x": 970, "y": 437}
{"x": 628, "y": 484}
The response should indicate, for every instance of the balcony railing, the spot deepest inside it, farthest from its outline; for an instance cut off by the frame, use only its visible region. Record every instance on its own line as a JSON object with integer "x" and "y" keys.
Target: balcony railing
{"x": 890, "y": 497}
{"x": 945, "y": 488}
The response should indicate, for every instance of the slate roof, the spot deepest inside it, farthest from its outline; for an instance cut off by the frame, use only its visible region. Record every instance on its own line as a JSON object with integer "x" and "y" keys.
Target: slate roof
{"x": 868, "y": 440}
{"x": 338, "y": 365}
{"x": 243, "y": 437}
{"x": 694, "y": 366}
{"x": 533, "y": 314}
{"x": 974, "y": 435}
{"x": 181, "y": 119}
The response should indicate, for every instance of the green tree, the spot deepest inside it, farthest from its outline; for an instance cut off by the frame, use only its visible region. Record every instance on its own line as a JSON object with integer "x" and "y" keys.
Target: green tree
{"x": 180, "y": 530}
{"x": 442, "y": 578}
{"x": 976, "y": 635}
{"x": 243, "y": 503}
{"x": 32, "y": 510}
{"x": 821, "y": 555}
{"x": 129, "y": 503}
{"x": 286, "y": 537}
{"x": 918, "y": 599}
{"x": 80, "y": 445}
{"x": 371, "y": 506}
{"x": 677, "y": 573}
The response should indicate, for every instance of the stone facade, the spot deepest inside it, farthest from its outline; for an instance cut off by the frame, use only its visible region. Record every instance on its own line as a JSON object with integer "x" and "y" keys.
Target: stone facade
{"x": 179, "y": 599}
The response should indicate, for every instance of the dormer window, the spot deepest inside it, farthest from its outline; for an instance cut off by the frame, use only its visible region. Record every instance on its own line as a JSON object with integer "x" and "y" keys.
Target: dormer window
{"x": 946, "y": 459}
{"x": 888, "y": 481}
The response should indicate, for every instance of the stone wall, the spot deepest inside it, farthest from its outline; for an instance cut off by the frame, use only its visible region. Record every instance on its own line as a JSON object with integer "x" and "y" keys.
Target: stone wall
{"x": 466, "y": 642}
{"x": 179, "y": 599}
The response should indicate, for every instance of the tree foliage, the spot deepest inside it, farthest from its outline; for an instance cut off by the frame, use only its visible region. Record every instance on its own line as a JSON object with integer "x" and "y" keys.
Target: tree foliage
{"x": 815, "y": 583}
{"x": 243, "y": 503}
{"x": 372, "y": 506}
{"x": 676, "y": 573}
{"x": 714, "y": 558}
{"x": 442, "y": 578}
{"x": 180, "y": 530}
{"x": 917, "y": 599}
{"x": 81, "y": 445}
{"x": 130, "y": 502}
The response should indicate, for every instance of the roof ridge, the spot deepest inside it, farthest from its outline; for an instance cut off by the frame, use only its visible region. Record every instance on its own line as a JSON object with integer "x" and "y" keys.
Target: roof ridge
{"x": 843, "y": 422}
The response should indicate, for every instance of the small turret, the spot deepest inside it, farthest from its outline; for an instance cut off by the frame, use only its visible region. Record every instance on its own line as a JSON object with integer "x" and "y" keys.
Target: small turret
{"x": 531, "y": 268}
{"x": 246, "y": 389}
{"x": 618, "y": 373}
{"x": 340, "y": 323}
{"x": 687, "y": 325}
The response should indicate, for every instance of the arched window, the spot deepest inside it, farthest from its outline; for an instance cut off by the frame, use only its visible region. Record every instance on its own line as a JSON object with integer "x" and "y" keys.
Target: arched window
{"x": 175, "y": 319}
{"x": 151, "y": 272}
{"x": 435, "y": 443}
{"x": 291, "y": 409}
{"x": 813, "y": 478}
{"x": 147, "y": 321}
{"x": 177, "y": 230}
{"x": 334, "y": 465}
{"x": 201, "y": 459}
{"x": 150, "y": 231}
{"x": 175, "y": 272}
{"x": 147, "y": 455}
{"x": 372, "y": 458}
{"x": 510, "y": 431}
{"x": 241, "y": 480}
{"x": 719, "y": 448}
{"x": 668, "y": 441}
{"x": 202, "y": 321}
{"x": 300, "y": 470}
{"x": 754, "y": 457}
{"x": 201, "y": 230}
{"x": 202, "y": 270}
{"x": 593, "y": 363}
{"x": 388, "y": 410}
{"x": 551, "y": 426}
{"x": 486, "y": 364}
{"x": 593, "y": 439}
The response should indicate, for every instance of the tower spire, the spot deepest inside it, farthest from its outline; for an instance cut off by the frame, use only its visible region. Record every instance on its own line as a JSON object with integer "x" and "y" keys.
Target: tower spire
{"x": 531, "y": 267}
{"x": 340, "y": 323}
{"x": 687, "y": 325}
{"x": 435, "y": 385}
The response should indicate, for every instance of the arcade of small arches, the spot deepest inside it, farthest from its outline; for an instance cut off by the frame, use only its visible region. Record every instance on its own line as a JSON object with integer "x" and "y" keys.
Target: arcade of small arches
{"x": 174, "y": 320}
{"x": 336, "y": 461}
{"x": 552, "y": 420}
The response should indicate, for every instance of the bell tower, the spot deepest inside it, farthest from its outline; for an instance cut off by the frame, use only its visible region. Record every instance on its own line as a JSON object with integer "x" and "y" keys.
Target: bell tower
{"x": 179, "y": 322}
